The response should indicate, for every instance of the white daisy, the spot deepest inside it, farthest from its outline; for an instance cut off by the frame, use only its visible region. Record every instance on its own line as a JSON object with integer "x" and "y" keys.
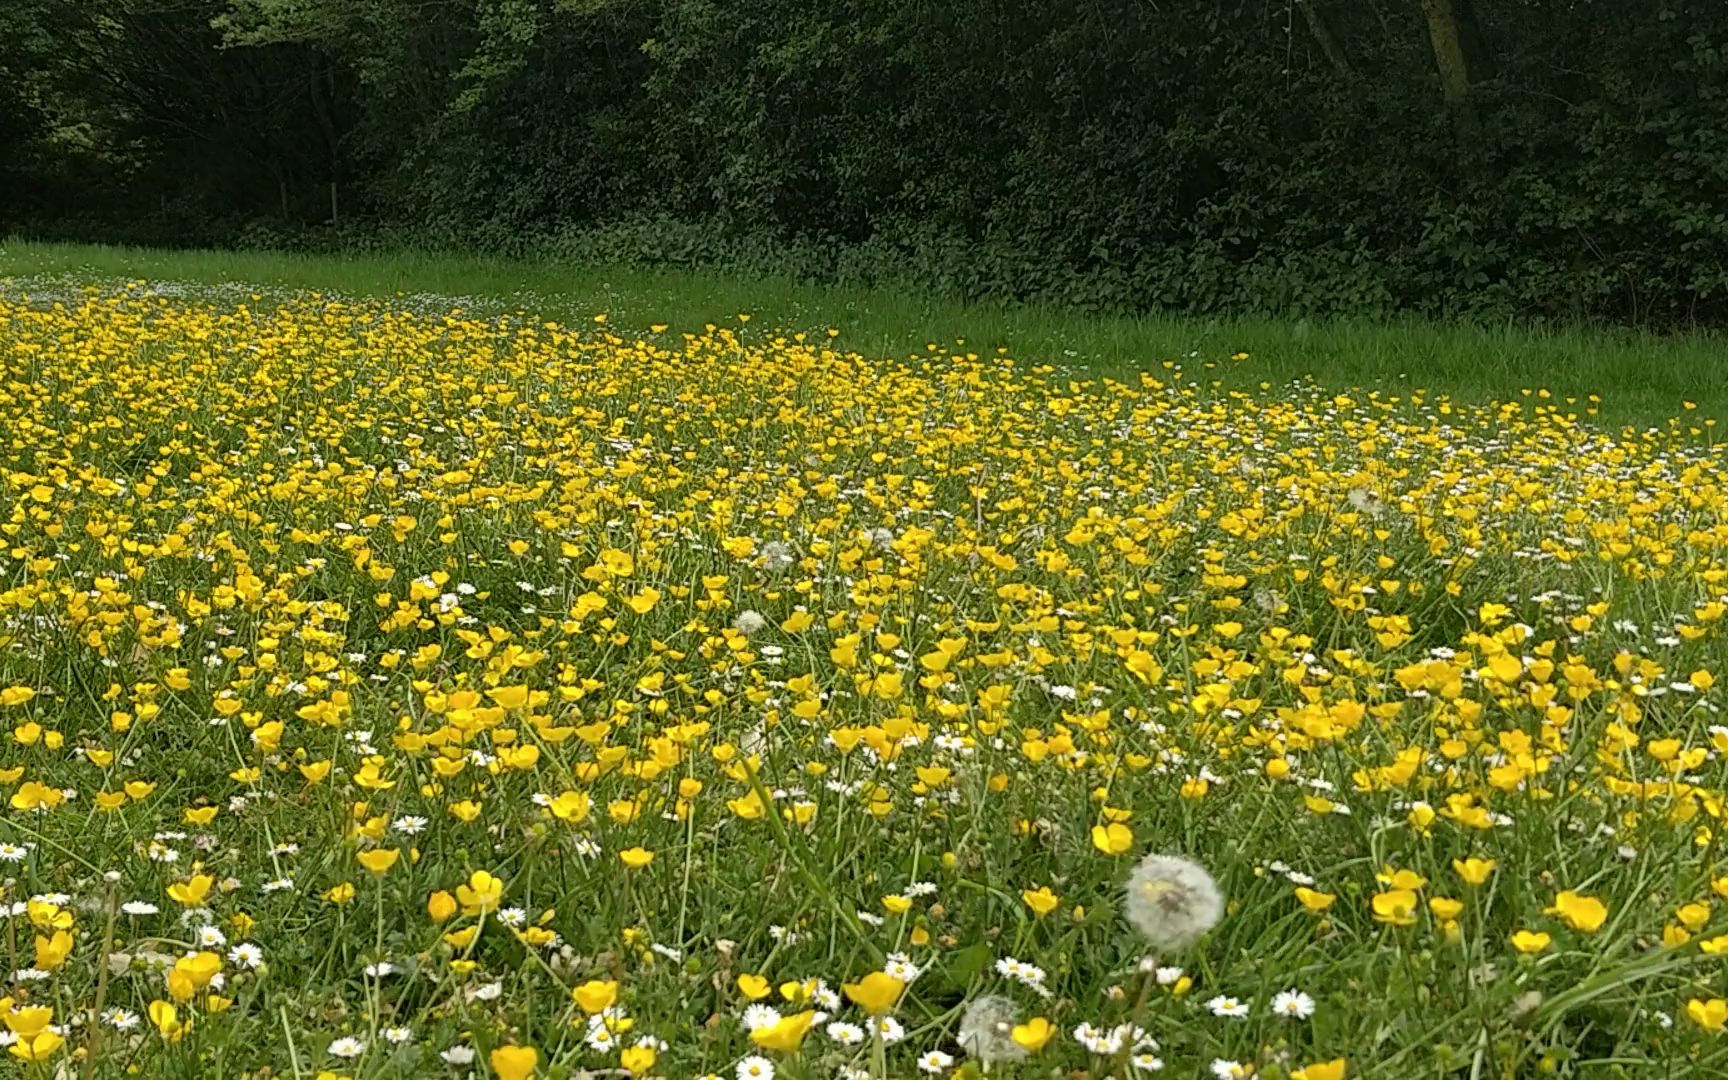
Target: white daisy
{"x": 759, "y": 1016}
{"x": 120, "y": 1019}
{"x": 347, "y": 1047}
{"x": 755, "y": 1067}
{"x": 1096, "y": 1041}
{"x": 902, "y": 968}
{"x": 486, "y": 992}
{"x": 845, "y": 1034}
{"x": 1294, "y": 1004}
{"x": 1223, "y": 1005}
{"x": 599, "y": 1038}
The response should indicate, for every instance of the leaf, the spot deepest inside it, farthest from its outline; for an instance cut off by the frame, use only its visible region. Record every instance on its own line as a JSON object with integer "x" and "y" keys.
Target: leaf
{"x": 967, "y": 963}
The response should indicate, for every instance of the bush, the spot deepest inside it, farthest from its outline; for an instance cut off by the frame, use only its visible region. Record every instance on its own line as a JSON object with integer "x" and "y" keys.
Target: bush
{"x": 1108, "y": 157}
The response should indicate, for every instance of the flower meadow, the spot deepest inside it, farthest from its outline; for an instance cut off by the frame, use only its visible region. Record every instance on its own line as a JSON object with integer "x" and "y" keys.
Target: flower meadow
{"x": 389, "y": 691}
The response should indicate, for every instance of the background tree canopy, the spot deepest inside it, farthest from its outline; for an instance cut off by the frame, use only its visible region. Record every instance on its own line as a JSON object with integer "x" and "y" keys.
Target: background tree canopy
{"x": 1460, "y": 157}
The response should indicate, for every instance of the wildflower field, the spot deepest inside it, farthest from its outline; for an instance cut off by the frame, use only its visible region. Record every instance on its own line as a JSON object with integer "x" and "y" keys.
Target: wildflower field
{"x": 389, "y": 691}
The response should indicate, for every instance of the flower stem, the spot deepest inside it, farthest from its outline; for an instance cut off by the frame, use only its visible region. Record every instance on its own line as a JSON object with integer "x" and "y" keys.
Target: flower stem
{"x": 1120, "y": 1065}
{"x": 93, "y": 1049}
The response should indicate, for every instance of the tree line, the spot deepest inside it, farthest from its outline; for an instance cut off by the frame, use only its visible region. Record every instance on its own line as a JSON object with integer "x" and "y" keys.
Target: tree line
{"x": 1538, "y": 158}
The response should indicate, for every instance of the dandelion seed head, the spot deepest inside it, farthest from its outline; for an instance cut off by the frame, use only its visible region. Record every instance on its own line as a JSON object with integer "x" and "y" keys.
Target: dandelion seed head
{"x": 987, "y": 1030}
{"x": 1172, "y": 901}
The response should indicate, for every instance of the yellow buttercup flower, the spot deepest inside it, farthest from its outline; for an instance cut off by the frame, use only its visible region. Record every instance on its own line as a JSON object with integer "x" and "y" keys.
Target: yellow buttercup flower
{"x": 638, "y": 1059}
{"x": 1034, "y": 1034}
{"x": 1530, "y": 941}
{"x": 480, "y": 894}
{"x": 1584, "y": 914}
{"x": 514, "y": 1062}
{"x": 875, "y": 993}
{"x": 1395, "y": 907}
{"x": 1710, "y": 1014}
{"x": 785, "y": 1035}
{"x": 193, "y": 891}
{"x": 28, "y": 1021}
{"x": 1473, "y": 870}
{"x": 1113, "y": 839}
{"x": 38, "y": 1047}
{"x": 595, "y": 996}
{"x": 1314, "y": 900}
{"x": 51, "y": 952}
{"x": 166, "y": 1019}
{"x": 378, "y": 860}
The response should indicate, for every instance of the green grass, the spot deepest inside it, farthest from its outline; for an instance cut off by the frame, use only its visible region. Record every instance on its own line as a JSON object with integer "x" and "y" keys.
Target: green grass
{"x": 465, "y": 688}
{"x": 1643, "y": 379}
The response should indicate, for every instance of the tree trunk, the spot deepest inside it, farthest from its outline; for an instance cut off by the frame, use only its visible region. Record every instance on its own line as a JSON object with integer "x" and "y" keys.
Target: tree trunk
{"x": 1447, "y": 35}
{"x": 1330, "y": 46}
{"x": 321, "y": 83}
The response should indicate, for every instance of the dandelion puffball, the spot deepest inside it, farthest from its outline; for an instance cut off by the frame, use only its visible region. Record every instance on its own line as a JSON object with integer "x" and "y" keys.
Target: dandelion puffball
{"x": 1172, "y": 901}
{"x": 987, "y": 1030}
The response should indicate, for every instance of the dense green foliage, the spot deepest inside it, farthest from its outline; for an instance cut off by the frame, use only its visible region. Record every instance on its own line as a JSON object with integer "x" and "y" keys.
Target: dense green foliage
{"x": 1565, "y": 158}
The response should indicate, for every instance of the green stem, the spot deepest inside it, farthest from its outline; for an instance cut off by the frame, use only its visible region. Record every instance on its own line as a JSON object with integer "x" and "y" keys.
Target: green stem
{"x": 93, "y": 1048}
{"x": 816, "y": 883}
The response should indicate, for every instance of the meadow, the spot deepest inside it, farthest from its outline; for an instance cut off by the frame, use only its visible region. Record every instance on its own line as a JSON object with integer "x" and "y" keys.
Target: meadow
{"x": 610, "y": 676}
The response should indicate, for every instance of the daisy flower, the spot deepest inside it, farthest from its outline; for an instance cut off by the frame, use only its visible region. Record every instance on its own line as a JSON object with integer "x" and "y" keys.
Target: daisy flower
{"x": 1223, "y": 1005}
{"x": 347, "y": 1047}
{"x": 755, "y": 1067}
{"x": 844, "y": 1033}
{"x": 1294, "y": 1004}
